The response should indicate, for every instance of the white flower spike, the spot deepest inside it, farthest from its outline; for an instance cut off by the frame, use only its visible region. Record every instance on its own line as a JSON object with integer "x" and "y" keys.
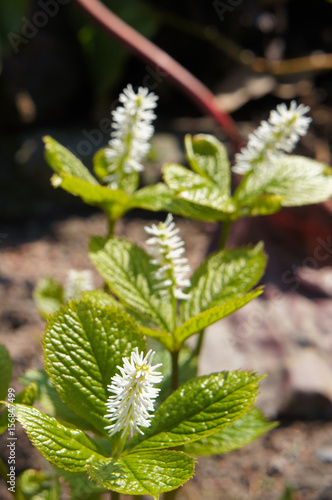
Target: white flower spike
{"x": 168, "y": 250}
{"x": 78, "y": 282}
{"x": 134, "y": 394}
{"x": 279, "y": 134}
{"x": 132, "y": 130}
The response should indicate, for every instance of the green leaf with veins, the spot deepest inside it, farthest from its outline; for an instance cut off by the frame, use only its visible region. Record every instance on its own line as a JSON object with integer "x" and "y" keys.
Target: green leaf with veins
{"x": 200, "y": 407}
{"x": 224, "y": 276}
{"x": 211, "y": 315}
{"x": 295, "y": 179}
{"x": 195, "y": 188}
{"x": 144, "y": 473}
{"x": 63, "y": 162}
{"x": 129, "y": 273}
{"x": 208, "y": 157}
{"x": 240, "y": 433}
{"x": 66, "y": 448}
{"x": 83, "y": 345}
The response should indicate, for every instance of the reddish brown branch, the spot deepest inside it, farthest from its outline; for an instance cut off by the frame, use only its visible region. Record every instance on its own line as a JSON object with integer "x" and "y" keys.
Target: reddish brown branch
{"x": 171, "y": 69}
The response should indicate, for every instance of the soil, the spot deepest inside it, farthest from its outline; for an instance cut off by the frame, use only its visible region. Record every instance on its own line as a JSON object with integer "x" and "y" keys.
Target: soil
{"x": 293, "y": 461}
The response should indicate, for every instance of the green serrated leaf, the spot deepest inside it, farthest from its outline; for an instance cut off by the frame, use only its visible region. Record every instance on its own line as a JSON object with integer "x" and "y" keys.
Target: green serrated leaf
{"x": 301, "y": 181}
{"x": 208, "y": 157}
{"x": 129, "y": 273}
{"x": 145, "y": 473}
{"x": 194, "y": 188}
{"x": 48, "y": 296}
{"x": 66, "y": 448}
{"x": 50, "y": 401}
{"x": 83, "y": 345}
{"x": 295, "y": 179}
{"x": 62, "y": 161}
{"x": 110, "y": 200}
{"x": 6, "y": 371}
{"x": 210, "y": 316}
{"x": 155, "y": 198}
{"x": 240, "y": 433}
{"x": 200, "y": 407}
{"x": 101, "y": 298}
{"x": 222, "y": 277}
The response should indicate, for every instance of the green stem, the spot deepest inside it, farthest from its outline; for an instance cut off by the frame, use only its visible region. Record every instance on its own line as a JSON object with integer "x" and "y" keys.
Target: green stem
{"x": 175, "y": 371}
{"x": 199, "y": 344}
{"x": 224, "y": 233}
{"x": 111, "y": 226}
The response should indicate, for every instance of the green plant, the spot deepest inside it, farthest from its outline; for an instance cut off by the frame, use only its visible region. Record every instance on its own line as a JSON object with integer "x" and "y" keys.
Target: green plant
{"x": 96, "y": 344}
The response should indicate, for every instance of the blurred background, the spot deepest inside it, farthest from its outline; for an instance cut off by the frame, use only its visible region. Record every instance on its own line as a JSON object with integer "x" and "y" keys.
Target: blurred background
{"x": 61, "y": 76}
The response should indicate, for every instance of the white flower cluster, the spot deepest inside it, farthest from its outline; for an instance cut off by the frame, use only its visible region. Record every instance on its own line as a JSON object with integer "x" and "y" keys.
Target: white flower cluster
{"x": 134, "y": 394}
{"x": 168, "y": 250}
{"x": 78, "y": 282}
{"x": 273, "y": 137}
{"x": 132, "y": 130}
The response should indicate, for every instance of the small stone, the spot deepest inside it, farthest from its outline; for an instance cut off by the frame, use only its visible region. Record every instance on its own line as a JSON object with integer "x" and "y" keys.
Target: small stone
{"x": 324, "y": 455}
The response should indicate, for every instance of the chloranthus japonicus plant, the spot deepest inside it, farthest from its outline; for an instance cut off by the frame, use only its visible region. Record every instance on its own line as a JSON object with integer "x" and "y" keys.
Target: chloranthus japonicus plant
{"x": 125, "y": 410}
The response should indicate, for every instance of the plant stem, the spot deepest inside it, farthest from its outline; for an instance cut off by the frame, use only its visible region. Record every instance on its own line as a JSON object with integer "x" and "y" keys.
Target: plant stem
{"x": 199, "y": 344}
{"x": 111, "y": 226}
{"x": 115, "y": 495}
{"x": 224, "y": 234}
{"x": 165, "y": 64}
{"x": 175, "y": 371}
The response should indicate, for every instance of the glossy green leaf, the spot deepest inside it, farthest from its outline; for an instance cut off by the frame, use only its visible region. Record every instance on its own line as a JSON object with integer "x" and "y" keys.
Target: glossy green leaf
{"x": 301, "y": 181}
{"x": 101, "y": 298}
{"x": 83, "y": 345}
{"x": 62, "y": 161}
{"x": 66, "y": 448}
{"x": 129, "y": 273}
{"x": 48, "y": 296}
{"x": 195, "y": 188}
{"x": 110, "y": 200}
{"x": 222, "y": 277}
{"x": 240, "y": 433}
{"x": 49, "y": 400}
{"x": 6, "y": 371}
{"x": 210, "y": 316}
{"x": 154, "y": 198}
{"x": 200, "y": 407}
{"x": 145, "y": 473}
{"x": 296, "y": 179}
{"x": 208, "y": 157}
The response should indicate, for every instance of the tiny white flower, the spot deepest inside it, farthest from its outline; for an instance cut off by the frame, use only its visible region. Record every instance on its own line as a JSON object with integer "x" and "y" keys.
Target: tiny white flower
{"x": 273, "y": 137}
{"x": 168, "y": 251}
{"x": 132, "y": 130}
{"x": 133, "y": 394}
{"x": 78, "y": 282}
